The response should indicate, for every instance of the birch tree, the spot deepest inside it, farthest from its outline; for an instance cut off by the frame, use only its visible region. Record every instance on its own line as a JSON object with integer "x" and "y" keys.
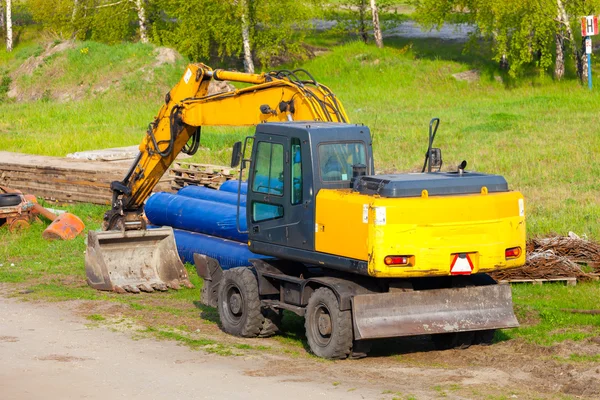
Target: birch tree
{"x": 248, "y": 61}
{"x": 9, "y": 31}
{"x": 376, "y": 27}
{"x": 2, "y": 16}
{"x": 141, "y": 12}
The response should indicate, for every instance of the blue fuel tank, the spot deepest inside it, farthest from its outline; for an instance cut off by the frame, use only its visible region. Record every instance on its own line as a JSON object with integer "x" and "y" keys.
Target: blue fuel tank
{"x": 228, "y": 253}
{"x": 232, "y": 186}
{"x": 202, "y": 216}
{"x": 219, "y": 196}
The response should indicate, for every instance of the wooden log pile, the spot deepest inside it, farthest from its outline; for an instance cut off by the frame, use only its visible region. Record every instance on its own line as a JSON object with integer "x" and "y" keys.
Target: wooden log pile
{"x": 70, "y": 180}
{"x": 64, "y": 180}
{"x": 557, "y": 257}
{"x": 182, "y": 174}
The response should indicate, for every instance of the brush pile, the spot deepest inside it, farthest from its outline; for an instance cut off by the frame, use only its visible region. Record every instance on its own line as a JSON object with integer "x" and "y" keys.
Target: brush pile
{"x": 557, "y": 257}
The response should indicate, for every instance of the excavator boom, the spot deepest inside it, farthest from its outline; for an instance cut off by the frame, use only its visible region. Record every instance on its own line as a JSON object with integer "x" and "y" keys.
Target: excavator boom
{"x": 269, "y": 97}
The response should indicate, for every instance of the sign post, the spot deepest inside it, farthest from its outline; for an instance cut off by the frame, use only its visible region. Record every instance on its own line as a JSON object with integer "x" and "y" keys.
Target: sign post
{"x": 589, "y": 27}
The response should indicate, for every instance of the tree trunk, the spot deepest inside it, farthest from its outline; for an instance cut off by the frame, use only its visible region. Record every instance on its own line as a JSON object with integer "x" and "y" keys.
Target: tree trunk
{"x": 362, "y": 22}
{"x": 248, "y": 62}
{"x": 584, "y": 62}
{"x": 1, "y": 17}
{"x": 564, "y": 20}
{"x": 559, "y": 64}
{"x": 376, "y": 27}
{"x": 139, "y": 5}
{"x": 75, "y": 9}
{"x": 9, "y": 32}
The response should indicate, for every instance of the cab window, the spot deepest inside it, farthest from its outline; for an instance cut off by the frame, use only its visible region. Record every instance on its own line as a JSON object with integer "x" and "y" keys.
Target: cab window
{"x": 336, "y": 160}
{"x": 268, "y": 175}
{"x": 296, "y": 172}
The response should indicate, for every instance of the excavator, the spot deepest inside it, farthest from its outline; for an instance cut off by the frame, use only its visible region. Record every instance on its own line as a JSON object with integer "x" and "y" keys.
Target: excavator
{"x": 359, "y": 255}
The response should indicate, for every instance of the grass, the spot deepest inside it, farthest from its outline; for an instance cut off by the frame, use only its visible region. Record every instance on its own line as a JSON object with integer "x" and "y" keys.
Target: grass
{"x": 536, "y": 132}
{"x": 551, "y": 324}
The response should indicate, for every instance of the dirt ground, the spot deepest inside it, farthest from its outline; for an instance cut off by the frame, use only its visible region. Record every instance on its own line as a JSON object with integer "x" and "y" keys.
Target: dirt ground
{"x": 51, "y": 349}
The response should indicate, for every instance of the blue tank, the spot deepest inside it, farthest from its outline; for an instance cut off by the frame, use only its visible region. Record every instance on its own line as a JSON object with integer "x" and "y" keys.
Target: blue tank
{"x": 228, "y": 253}
{"x": 219, "y": 196}
{"x": 232, "y": 186}
{"x": 202, "y": 216}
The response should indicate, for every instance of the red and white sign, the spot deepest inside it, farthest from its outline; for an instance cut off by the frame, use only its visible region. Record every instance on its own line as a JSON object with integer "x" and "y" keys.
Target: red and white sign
{"x": 589, "y": 25}
{"x": 461, "y": 264}
{"x": 588, "y": 45}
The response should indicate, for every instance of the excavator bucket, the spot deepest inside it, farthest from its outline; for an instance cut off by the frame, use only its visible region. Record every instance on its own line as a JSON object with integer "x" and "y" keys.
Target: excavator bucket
{"x": 134, "y": 261}
{"x": 426, "y": 312}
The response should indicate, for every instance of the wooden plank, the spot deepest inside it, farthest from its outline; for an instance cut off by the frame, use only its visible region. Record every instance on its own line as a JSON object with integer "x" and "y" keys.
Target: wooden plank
{"x": 567, "y": 281}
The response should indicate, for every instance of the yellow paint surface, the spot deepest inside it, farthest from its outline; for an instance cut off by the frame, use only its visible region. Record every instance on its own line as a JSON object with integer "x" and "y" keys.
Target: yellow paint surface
{"x": 430, "y": 229}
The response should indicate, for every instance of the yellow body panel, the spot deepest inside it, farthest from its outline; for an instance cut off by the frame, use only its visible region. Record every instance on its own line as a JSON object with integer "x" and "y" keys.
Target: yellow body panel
{"x": 431, "y": 229}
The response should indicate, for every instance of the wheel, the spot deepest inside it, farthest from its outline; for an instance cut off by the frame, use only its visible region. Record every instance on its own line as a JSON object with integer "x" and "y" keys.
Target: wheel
{"x": 484, "y": 338}
{"x": 328, "y": 329}
{"x": 239, "y": 303}
{"x": 455, "y": 340}
{"x": 271, "y": 323}
{"x": 18, "y": 224}
{"x": 9, "y": 199}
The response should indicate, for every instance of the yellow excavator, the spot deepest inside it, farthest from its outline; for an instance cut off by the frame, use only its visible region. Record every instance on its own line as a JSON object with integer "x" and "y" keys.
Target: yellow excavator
{"x": 358, "y": 255}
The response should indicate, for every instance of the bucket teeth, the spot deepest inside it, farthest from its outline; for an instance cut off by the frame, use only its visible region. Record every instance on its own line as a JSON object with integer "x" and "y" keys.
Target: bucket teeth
{"x": 119, "y": 289}
{"x": 174, "y": 284}
{"x": 131, "y": 289}
{"x": 161, "y": 287}
{"x": 144, "y": 287}
{"x": 187, "y": 283}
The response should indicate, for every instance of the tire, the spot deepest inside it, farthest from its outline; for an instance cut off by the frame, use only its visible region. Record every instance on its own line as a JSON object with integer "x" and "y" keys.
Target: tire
{"x": 239, "y": 303}
{"x": 455, "y": 340}
{"x": 9, "y": 200}
{"x": 484, "y": 338}
{"x": 328, "y": 329}
{"x": 271, "y": 324}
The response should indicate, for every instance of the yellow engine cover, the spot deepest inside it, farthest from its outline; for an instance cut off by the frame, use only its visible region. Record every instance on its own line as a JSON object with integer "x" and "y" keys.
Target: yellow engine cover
{"x": 430, "y": 230}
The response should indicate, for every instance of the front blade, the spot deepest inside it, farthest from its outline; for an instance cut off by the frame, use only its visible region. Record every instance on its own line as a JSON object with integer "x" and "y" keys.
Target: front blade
{"x": 433, "y": 311}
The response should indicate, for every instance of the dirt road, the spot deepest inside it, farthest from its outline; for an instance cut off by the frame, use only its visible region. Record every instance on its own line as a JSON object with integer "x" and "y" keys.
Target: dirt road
{"x": 47, "y": 352}
{"x": 49, "y": 349}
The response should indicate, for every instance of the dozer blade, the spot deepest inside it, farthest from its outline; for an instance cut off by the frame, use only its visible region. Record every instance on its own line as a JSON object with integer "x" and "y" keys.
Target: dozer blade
{"x": 433, "y": 311}
{"x": 134, "y": 261}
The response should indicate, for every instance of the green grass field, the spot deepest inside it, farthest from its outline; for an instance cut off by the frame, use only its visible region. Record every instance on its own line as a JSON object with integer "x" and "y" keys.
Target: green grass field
{"x": 540, "y": 134}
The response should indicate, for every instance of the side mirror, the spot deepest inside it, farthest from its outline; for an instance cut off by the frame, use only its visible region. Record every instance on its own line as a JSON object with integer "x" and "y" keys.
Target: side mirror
{"x": 236, "y": 154}
{"x": 435, "y": 158}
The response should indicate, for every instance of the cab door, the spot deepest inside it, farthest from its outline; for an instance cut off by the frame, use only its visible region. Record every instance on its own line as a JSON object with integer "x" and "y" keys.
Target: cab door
{"x": 268, "y": 193}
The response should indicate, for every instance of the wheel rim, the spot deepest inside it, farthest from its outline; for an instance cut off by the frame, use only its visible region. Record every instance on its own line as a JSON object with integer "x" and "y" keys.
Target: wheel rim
{"x": 234, "y": 304}
{"x": 321, "y": 326}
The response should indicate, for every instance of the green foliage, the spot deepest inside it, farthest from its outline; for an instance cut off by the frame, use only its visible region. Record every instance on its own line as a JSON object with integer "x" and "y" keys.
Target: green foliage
{"x": 354, "y": 17}
{"x": 208, "y": 29}
{"x": 521, "y": 31}
{"x": 54, "y": 16}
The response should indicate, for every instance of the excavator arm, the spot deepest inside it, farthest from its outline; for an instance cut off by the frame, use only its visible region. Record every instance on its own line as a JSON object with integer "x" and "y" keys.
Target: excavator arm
{"x": 269, "y": 97}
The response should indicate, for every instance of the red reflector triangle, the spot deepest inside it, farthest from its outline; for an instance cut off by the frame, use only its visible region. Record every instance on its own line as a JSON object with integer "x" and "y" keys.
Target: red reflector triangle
{"x": 461, "y": 265}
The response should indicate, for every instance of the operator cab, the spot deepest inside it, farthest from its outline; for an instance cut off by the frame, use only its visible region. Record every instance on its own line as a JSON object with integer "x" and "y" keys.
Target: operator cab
{"x": 292, "y": 161}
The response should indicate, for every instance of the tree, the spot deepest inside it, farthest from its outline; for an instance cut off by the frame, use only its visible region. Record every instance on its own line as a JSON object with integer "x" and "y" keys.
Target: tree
{"x": 358, "y": 17}
{"x": 9, "y": 32}
{"x": 2, "y": 16}
{"x": 521, "y": 31}
{"x": 248, "y": 30}
{"x": 248, "y": 62}
{"x": 376, "y": 27}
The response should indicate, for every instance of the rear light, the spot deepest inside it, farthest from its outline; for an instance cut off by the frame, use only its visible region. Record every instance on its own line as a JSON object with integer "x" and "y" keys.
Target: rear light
{"x": 397, "y": 260}
{"x": 513, "y": 252}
